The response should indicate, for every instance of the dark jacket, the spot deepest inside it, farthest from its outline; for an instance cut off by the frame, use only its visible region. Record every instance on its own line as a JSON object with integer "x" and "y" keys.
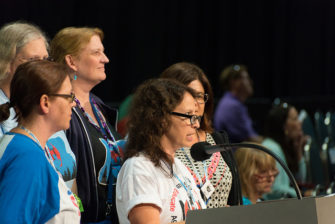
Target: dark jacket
{"x": 235, "y": 194}
{"x": 80, "y": 144}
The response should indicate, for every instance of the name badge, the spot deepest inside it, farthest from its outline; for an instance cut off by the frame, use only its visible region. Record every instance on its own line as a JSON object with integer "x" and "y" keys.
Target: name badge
{"x": 207, "y": 189}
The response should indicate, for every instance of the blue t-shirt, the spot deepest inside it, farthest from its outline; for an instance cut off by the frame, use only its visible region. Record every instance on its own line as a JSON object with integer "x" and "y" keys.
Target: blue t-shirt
{"x": 63, "y": 157}
{"x": 30, "y": 189}
{"x": 246, "y": 201}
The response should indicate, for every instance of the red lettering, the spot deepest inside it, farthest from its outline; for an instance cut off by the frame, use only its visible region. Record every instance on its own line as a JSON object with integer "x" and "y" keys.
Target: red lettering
{"x": 173, "y": 200}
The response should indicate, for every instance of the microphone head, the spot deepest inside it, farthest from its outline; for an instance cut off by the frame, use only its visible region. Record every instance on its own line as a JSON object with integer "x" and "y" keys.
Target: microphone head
{"x": 198, "y": 151}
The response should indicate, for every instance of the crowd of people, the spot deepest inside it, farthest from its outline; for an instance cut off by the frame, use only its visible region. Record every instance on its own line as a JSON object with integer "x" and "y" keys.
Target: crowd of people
{"x": 62, "y": 159}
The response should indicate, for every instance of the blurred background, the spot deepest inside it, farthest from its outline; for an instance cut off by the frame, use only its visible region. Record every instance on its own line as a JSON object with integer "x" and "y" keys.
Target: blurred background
{"x": 287, "y": 45}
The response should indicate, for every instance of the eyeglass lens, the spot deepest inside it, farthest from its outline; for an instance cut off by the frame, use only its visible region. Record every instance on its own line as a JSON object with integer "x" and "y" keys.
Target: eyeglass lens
{"x": 202, "y": 97}
{"x": 195, "y": 118}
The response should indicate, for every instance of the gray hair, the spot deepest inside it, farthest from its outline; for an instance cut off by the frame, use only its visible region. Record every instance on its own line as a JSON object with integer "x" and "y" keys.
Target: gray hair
{"x": 13, "y": 37}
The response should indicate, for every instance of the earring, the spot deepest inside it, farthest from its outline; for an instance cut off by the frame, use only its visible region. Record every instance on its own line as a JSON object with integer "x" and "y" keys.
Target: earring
{"x": 75, "y": 77}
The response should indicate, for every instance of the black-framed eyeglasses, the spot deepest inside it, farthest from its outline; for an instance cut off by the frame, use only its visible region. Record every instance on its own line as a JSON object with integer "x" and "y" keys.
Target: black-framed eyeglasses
{"x": 68, "y": 96}
{"x": 201, "y": 98}
{"x": 193, "y": 118}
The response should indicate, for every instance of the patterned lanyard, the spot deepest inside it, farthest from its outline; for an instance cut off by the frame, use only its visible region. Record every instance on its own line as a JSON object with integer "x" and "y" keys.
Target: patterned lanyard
{"x": 186, "y": 187}
{"x": 195, "y": 170}
{"x": 46, "y": 150}
{"x": 103, "y": 127}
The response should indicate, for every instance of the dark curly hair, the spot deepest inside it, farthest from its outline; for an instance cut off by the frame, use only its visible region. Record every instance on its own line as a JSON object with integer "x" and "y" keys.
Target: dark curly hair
{"x": 149, "y": 118}
{"x": 186, "y": 73}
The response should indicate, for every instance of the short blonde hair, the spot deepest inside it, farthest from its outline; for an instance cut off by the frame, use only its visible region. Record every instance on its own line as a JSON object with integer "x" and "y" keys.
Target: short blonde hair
{"x": 71, "y": 41}
{"x": 13, "y": 37}
{"x": 250, "y": 162}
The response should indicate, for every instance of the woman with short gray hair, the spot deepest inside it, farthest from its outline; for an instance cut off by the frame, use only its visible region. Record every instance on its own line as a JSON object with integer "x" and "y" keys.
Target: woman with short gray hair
{"x": 19, "y": 42}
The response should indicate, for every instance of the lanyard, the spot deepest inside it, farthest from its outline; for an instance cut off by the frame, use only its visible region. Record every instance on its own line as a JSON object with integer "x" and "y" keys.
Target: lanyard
{"x": 102, "y": 127}
{"x": 50, "y": 160}
{"x": 46, "y": 150}
{"x": 195, "y": 170}
{"x": 187, "y": 188}
{"x": 197, "y": 174}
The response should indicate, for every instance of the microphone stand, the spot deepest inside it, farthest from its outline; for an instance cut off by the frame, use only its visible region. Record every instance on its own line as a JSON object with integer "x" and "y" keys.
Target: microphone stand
{"x": 280, "y": 161}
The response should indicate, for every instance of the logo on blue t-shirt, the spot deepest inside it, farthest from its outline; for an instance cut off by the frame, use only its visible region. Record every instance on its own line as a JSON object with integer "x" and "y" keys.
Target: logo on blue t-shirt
{"x": 112, "y": 161}
{"x": 63, "y": 158}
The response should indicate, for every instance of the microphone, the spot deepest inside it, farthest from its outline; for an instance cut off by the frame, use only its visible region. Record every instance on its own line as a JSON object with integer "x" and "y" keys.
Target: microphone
{"x": 203, "y": 150}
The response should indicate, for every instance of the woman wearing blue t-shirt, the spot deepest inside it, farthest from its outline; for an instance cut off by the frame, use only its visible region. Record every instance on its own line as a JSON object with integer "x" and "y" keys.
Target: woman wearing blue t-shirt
{"x": 31, "y": 190}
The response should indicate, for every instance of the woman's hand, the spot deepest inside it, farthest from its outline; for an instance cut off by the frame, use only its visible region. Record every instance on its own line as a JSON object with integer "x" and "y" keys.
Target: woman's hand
{"x": 299, "y": 141}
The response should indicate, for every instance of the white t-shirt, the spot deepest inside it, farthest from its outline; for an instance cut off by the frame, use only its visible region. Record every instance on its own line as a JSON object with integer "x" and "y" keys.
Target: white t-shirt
{"x": 139, "y": 182}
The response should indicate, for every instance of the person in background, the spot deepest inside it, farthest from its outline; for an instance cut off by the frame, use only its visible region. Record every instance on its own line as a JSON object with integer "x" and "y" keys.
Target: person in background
{"x": 19, "y": 42}
{"x": 257, "y": 173}
{"x": 153, "y": 186}
{"x": 31, "y": 190}
{"x": 284, "y": 136}
{"x": 22, "y": 42}
{"x": 123, "y": 116}
{"x": 92, "y": 134}
{"x": 231, "y": 114}
{"x": 219, "y": 171}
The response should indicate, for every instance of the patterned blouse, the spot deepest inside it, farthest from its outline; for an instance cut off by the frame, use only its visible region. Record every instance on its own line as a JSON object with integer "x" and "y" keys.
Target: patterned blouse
{"x": 218, "y": 173}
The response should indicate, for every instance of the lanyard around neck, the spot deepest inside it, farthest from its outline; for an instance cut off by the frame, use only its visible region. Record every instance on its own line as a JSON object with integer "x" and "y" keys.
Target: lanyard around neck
{"x": 102, "y": 127}
{"x": 187, "y": 188}
{"x": 45, "y": 149}
{"x": 195, "y": 170}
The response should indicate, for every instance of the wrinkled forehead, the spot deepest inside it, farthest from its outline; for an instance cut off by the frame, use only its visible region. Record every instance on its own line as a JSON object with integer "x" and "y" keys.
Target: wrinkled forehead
{"x": 36, "y": 46}
{"x": 29, "y": 37}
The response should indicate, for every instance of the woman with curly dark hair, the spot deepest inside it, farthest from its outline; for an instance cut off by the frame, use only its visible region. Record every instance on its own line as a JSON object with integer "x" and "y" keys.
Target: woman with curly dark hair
{"x": 219, "y": 170}
{"x": 152, "y": 184}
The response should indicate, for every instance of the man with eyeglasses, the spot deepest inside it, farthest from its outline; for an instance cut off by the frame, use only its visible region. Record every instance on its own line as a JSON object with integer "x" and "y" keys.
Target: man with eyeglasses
{"x": 231, "y": 114}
